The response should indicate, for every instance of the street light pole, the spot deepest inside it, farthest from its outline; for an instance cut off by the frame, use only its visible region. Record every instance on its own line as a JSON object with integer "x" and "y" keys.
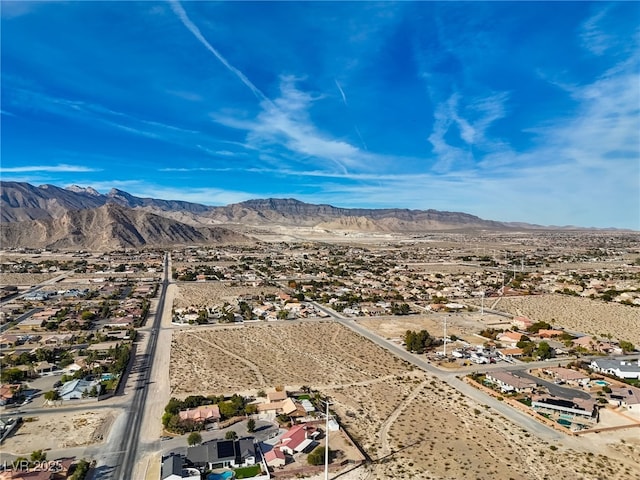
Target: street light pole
{"x": 326, "y": 444}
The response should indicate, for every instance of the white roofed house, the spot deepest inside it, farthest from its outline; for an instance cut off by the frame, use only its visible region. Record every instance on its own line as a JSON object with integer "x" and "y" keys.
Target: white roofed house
{"x": 627, "y": 369}
{"x": 76, "y": 389}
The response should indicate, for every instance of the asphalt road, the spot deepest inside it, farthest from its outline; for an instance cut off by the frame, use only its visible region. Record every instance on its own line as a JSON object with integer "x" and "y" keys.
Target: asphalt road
{"x": 450, "y": 378}
{"x": 127, "y": 457}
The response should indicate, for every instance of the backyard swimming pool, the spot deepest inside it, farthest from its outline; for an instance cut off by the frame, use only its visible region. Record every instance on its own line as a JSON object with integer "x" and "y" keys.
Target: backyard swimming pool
{"x": 220, "y": 476}
{"x": 601, "y": 383}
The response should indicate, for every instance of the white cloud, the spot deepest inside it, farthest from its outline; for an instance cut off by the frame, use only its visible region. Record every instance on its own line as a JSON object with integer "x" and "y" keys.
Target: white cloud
{"x": 472, "y": 120}
{"x": 49, "y": 168}
{"x": 285, "y": 122}
{"x": 593, "y": 37}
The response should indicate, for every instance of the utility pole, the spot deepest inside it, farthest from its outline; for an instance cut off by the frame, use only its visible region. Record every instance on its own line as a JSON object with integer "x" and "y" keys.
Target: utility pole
{"x": 445, "y": 336}
{"x": 326, "y": 443}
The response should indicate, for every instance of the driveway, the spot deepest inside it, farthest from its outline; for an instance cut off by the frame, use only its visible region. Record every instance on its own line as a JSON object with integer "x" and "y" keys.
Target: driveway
{"x": 556, "y": 390}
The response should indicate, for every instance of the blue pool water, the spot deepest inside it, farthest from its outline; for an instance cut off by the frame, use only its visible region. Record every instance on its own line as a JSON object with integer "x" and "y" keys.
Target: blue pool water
{"x": 220, "y": 476}
{"x": 601, "y": 383}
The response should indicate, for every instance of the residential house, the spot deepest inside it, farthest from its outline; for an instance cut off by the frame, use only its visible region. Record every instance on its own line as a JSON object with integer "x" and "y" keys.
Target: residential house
{"x": 593, "y": 344}
{"x": 296, "y": 439}
{"x": 618, "y": 368}
{"x": 275, "y": 458}
{"x": 173, "y": 468}
{"x": 509, "y": 354}
{"x": 510, "y": 382}
{"x": 202, "y": 414}
{"x": 223, "y": 453}
{"x": 286, "y": 407}
{"x": 57, "y": 339}
{"x": 510, "y": 337}
{"x": 568, "y": 375}
{"x": 276, "y": 396}
{"x": 576, "y": 406}
{"x": 44, "y": 367}
{"x": 626, "y": 396}
{"x": 7, "y": 394}
{"x": 522, "y": 323}
{"x": 546, "y": 333}
{"x": 75, "y": 389}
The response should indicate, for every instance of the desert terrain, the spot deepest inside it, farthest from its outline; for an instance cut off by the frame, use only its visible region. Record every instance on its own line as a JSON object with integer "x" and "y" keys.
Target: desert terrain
{"x": 205, "y": 294}
{"x": 60, "y": 430}
{"x": 238, "y": 359}
{"x": 577, "y": 314}
{"x": 410, "y": 423}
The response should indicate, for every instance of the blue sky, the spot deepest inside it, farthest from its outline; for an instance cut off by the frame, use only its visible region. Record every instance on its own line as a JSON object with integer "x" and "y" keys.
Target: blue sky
{"x": 509, "y": 111}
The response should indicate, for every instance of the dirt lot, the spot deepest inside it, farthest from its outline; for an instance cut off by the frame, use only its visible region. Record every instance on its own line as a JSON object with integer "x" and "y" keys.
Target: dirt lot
{"x": 317, "y": 354}
{"x": 20, "y": 279}
{"x": 410, "y": 423}
{"x": 210, "y": 293}
{"x": 593, "y": 317}
{"x": 59, "y": 430}
{"x": 464, "y": 325}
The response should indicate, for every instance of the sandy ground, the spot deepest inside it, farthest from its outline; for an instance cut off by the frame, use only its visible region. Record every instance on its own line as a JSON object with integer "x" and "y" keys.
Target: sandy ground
{"x": 230, "y": 360}
{"x": 464, "y": 325}
{"x": 60, "y": 430}
{"x": 20, "y": 279}
{"x": 209, "y": 293}
{"x": 410, "y": 423}
{"x": 578, "y": 314}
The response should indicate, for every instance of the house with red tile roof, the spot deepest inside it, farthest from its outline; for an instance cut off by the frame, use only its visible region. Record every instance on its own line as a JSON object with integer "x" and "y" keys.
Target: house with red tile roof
{"x": 296, "y": 439}
{"x": 510, "y": 337}
{"x": 202, "y": 414}
{"x": 275, "y": 458}
{"x": 545, "y": 333}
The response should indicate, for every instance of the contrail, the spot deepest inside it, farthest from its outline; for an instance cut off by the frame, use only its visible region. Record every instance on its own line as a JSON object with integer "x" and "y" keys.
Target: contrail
{"x": 182, "y": 15}
{"x": 344, "y": 97}
{"x": 361, "y": 139}
{"x": 355, "y": 126}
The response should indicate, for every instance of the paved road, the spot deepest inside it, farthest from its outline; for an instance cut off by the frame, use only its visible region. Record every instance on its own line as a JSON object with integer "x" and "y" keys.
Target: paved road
{"x": 116, "y": 458}
{"x": 127, "y": 458}
{"x": 450, "y": 378}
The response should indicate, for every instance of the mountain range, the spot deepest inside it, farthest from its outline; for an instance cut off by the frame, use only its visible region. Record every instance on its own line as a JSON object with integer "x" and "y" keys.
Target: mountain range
{"x": 52, "y": 216}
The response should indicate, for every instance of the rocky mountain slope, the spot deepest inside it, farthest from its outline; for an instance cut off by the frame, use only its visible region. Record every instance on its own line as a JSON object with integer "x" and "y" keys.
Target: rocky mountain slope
{"x": 22, "y": 201}
{"x": 75, "y": 216}
{"x": 110, "y": 226}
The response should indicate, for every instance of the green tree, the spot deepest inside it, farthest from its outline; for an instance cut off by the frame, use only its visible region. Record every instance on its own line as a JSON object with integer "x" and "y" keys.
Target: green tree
{"x": 418, "y": 341}
{"x": 544, "y": 351}
{"x": 194, "y": 438}
{"x": 317, "y": 456}
{"x": 536, "y": 327}
{"x": 52, "y": 395}
{"x": 230, "y": 435}
{"x": 80, "y": 471}
{"x": 12, "y": 375}
{"x": 251, "y": 425}
{"x": 38, "y": 456}
{"x": 627, "y": 347}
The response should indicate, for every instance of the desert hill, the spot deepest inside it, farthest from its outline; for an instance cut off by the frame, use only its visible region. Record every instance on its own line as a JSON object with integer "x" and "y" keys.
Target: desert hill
{"x": 75, "y": 216}
{"x": 107, "y": 227}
